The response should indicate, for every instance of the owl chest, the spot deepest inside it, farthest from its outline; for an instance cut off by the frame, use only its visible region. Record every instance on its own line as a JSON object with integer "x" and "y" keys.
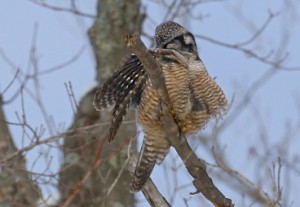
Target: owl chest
{"x": 177, "y": 84}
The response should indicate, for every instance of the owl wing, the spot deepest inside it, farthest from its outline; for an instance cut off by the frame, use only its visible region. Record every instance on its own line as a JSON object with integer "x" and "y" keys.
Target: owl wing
{"x": 117, "y": 86}
{"x": 121, "y": 90}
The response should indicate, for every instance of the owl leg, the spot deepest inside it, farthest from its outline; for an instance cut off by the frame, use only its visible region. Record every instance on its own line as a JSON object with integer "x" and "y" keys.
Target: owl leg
{"x": 181, "y": 129}
{"x": 154, "y": 149}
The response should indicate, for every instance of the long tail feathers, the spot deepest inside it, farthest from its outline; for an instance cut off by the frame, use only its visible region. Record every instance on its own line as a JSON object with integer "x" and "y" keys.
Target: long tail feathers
{"x": 142, "y": 171}
{"x": 154, "y": 149}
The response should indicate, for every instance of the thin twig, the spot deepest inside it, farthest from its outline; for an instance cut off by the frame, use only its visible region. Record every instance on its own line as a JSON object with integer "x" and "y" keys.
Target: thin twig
{"x": 120, "y": 173}
{"x": 62, "y": 65}
{"x": 71, "y": 96}
{"x": 61, "y": 9}
{"x": 10, "y": 83}
{"x": 260, "y": 194}
{"x": 151, "y": 193}
{"x": 66, "y": 134}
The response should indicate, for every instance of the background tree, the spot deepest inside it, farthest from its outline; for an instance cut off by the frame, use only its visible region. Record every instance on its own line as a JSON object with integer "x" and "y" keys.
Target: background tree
{"x": 251, "y": 154}
{"x": 113, "y": 18}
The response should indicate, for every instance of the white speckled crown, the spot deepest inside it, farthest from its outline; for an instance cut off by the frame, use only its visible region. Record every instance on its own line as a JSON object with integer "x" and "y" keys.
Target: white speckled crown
{"x": 167, "y": 31}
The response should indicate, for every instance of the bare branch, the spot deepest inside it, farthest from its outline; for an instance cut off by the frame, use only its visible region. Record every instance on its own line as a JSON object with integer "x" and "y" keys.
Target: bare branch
{"x": 46, "y": 140}
{"x": 4, "y": 131}
{"x": 262, "y": 58}
{"x": 259, "y": 193}
{"x": 78, "y": 186}
{"x": 153, "y": 196}
{"x": 10, "y": 83}
{"x": 71, "y": 96}
{"x": 255, "y": 190}
{"x": 262, "y": 80}
{"x": 62, "y": 65}
{"x": 260, "y": 30}
{"x": 61, "y": 9}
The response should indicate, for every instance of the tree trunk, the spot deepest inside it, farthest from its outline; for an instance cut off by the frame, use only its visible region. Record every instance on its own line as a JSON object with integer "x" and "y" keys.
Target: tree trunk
{"x": 114, "y": 20}
{"x": 16, "y": 187}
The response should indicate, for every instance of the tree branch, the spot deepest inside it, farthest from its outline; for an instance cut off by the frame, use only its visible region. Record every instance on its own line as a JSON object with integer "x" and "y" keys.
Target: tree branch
{"x": 194, "y": 165}
{"x": 153, "y": 196}
{"x": 24, "y": 191}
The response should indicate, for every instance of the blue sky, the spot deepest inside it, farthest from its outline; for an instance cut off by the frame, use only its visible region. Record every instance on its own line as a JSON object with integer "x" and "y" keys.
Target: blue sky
{"x": 60, "y": 35}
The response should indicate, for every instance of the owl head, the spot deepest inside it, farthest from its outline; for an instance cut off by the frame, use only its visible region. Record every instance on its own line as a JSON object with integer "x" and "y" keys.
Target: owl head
{"x": 171, "y": 35}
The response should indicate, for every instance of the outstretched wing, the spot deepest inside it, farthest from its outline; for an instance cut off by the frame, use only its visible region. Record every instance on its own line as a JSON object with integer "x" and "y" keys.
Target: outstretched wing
{"x": 121, "y": 90}
{"x": 122, "y": 105}
{"x": 117, "y": 86}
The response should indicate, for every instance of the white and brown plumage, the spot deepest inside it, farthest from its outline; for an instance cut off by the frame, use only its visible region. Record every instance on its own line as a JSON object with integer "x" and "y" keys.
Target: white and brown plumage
{"x": 194, "y": 95}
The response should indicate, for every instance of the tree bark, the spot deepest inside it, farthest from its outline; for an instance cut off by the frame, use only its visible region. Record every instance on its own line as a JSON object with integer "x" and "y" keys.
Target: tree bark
{"x": 114, "y": 20}
{"x": 16, "y": 187}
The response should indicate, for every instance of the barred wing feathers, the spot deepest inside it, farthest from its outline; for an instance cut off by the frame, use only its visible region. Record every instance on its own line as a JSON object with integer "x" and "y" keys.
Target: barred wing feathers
{"x": 121, "y": 90}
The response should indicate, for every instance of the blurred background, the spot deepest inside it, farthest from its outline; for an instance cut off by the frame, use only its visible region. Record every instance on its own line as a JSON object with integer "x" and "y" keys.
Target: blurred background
{"x": 53, "y": 56}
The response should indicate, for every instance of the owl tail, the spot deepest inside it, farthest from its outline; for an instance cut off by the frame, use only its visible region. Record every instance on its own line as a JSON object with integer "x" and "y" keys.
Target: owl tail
{"x": 152, "y": 151}
{"x": 142, "y": 171}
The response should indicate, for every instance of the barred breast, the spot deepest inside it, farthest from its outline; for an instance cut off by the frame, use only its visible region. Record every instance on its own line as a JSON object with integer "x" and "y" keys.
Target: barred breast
{"x": 208, "y": 92}
{"x": 177, "y": 83}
